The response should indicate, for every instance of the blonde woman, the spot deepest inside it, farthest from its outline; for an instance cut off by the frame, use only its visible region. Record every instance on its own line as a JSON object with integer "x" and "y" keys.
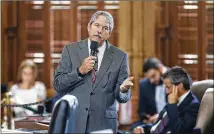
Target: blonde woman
{"x": 27, "y": 90}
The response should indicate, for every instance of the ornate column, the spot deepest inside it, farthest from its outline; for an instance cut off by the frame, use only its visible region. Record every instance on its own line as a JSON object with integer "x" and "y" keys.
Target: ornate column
{"x": 125, "y": 43}
{"x": 137, "y": 38}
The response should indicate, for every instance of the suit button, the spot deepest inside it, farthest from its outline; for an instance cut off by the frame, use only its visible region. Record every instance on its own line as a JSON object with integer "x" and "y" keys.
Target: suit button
{"x": 92, "y": 93}
{"x": 86, "y": 109}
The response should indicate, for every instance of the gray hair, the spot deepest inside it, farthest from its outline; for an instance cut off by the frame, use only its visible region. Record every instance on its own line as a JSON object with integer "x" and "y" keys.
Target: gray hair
{"x": 179, "y": 75}
{"x": 108, "y": 17}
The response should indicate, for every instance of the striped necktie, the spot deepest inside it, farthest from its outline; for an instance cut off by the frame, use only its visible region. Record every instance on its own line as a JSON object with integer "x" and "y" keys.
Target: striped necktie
{"x": 95, "y": 70}
{"x": 161, "y": 125}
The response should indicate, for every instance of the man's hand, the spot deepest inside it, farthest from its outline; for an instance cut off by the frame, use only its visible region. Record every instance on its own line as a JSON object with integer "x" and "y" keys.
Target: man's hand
{"x": 173, "y": 97}
{"x": 139, "y": 130}
{"x": 87, "y": 65}
{"x": 146, "y": 120}
{"x": 151, "y": 119}
{"x": 126, "y": 85}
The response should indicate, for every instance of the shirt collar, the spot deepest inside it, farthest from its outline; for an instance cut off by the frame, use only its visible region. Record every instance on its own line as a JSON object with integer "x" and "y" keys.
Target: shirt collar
{"x": 164, "y": 70}
{"x": 182, "y": 97}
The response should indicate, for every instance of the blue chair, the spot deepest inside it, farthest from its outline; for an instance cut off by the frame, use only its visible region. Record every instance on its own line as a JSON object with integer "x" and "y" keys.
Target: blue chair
{"x": 63, "y": 116}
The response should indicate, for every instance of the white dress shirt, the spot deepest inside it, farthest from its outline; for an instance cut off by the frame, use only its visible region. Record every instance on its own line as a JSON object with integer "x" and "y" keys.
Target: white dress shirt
{"x": 160, "y": 97}
{"x": 160, "y": 94}
{"x": 182, "y": 98}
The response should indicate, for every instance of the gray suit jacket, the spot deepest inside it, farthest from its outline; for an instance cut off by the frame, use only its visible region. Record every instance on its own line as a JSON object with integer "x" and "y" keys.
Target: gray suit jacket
{"x": 96, "y": 100}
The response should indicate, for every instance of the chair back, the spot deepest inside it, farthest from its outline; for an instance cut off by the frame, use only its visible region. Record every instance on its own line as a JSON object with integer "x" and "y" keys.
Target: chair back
{"x": 199, "y": 87}
{"x": 205, "y": 119}
{"x": 63, "y": 116}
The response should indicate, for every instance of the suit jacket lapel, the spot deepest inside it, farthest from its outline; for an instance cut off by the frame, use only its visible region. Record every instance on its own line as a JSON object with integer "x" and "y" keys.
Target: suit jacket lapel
{"x": 84, "y": 53}
{"x": 185, "y": 101}
{"x": 161, "y": 115}
{"x": 106, "y": 62}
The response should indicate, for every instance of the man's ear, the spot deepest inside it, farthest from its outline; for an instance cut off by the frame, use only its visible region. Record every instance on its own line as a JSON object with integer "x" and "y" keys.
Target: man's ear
{"x": 109, "y": 34}
{"x": 88, "y": 27}
{"x": 160, "y": 68}
{"x": 180, "y": 86}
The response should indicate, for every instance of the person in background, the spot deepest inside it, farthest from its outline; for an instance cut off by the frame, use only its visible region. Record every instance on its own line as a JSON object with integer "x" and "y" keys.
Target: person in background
{"x": 180, "y": 114}
{"x": 27, "y": 90}
{"x": 152, "y": 96}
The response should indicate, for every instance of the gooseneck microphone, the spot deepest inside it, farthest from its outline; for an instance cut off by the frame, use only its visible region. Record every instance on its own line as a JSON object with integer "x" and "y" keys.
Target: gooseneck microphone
{"x": 94, "y": 51}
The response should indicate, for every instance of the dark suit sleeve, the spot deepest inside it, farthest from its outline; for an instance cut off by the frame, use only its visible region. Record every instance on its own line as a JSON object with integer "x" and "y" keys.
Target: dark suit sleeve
{"x": 64, "y": 77}
{"x": 142, "y": 108}
{"x": 123, "y": 74}
{"x": 185, "y": 122}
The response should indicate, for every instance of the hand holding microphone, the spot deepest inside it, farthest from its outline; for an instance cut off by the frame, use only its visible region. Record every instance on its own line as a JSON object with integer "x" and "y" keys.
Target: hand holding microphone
{"x": 87, "y": 65}
{"x": 90, "y": 62}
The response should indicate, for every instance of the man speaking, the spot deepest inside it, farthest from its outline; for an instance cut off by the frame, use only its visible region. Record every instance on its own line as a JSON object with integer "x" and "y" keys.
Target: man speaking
{"x": 97, "y": 73}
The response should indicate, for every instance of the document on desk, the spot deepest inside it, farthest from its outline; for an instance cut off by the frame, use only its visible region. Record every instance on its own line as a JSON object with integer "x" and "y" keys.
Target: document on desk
{"x": 109, "y": 131}
{"x": 47, "y": 121}
{"x": 9, "y": 131}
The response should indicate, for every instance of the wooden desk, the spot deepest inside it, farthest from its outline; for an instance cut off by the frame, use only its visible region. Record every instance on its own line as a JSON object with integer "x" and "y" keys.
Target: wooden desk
{"x": 124, "y": 127}
{"x": 32, "y": 123}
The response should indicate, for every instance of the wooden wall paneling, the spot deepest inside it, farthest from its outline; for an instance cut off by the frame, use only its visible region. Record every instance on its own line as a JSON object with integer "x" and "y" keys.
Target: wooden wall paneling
{"x": 138, "y": 43}
{"x": 4, "y": 43}
{"x": 162, "y": 35}
{"x": 7, "y": 52}
{"x": 143, "y": 43}
{"x": 137, "y": 38}
{"x": 114, "y": 35}
{"x": 73, "y": 21}
{"x": 85, "y": 16}
{"x": 166, "y": 13}
{"x": 149, "y": 28}
{"x": 174, "y": 45}
{"x": 159, "y": 30}
{"x": 22, "y": 42}
{"x": 100, "y": 5}
{"x": 65, "y": 23}
{"x": 210, "y": 39}
{"x": 10, "y": 41}
{"x": 47, "y": 59}
{"x": 187, "y": 37}
{"x": 10, "y": 32}
{"x": 15, "y": 44}
{"x": 125, "y": 43}
{"x": 125, "y": 27}
{"x": 202, "y": 41}
{"x": 57, "y": 14}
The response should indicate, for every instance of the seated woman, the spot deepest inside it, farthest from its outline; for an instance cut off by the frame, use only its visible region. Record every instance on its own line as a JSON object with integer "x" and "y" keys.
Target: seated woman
{"x": 27, "y": 90}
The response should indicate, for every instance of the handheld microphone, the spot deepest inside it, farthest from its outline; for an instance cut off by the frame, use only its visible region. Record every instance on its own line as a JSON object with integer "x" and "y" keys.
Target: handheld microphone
{"x": 94, "y": 51}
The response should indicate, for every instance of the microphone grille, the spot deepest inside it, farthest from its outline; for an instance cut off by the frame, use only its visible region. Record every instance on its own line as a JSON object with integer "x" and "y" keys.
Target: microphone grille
{"x": 94, "y": 45}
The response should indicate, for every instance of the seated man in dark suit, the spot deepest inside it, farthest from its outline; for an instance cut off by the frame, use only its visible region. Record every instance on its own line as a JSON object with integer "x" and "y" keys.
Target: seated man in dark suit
{"x": 152, "y": 96}
{"x": 180, "y": 114}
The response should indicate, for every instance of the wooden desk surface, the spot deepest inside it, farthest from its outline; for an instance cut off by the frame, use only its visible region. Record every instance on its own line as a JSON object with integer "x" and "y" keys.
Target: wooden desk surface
{"x": 32, "y": 123}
